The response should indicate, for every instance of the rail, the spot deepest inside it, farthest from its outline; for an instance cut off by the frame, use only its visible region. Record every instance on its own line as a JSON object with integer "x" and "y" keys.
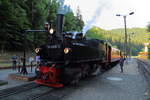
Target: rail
{"x": 54, "y": 94}
{"x": 145, "y": 69}
{"x": 11, "y": 91}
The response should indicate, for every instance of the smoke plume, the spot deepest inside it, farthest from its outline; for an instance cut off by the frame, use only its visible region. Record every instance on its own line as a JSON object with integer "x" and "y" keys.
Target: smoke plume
{"x": 96, "y": 15}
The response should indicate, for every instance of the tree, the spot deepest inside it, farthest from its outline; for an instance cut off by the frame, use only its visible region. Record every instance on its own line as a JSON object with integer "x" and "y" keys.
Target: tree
{"x": 69, "y": 22}
{"x": 95, "y": 32}
{"x": 17, "y": 15}
{"x": 79, "y": 20}
{"x": 148, "y": 29}
{"x": 13, "y": 20}
{"x": 72, "y": 22}
{"x": 116, "y": 37}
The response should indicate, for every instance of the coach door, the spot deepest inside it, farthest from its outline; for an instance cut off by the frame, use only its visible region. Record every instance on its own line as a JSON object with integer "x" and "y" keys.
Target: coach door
{"x": 109, "y": 54}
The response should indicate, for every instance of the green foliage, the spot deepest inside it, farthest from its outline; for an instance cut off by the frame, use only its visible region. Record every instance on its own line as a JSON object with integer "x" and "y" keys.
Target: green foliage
{"x": 72, "y": 22}
{"x": 95, "y": 33}
{"x": 13, "y": 19}
{"x": 17, "y": 15}
{"x": 148, "y": 29}
{"x": 69, "y": 23}
{"x": 52, "y": 11}
{"x": 138, "y": 36}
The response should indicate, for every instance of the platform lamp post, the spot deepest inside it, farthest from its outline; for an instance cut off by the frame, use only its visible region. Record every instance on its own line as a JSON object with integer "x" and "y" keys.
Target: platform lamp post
{"x": 24, "y": 32}
{"x": 24, "y": 70}
{"x": 125, "y": 28}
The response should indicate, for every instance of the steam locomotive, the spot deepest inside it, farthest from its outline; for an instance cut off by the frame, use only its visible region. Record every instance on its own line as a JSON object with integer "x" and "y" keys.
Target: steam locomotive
{"x": 68, "y": 58}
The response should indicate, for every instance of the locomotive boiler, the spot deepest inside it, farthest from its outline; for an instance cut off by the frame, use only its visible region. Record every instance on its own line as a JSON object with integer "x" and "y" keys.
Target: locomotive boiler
{"x": 67, "y": 58}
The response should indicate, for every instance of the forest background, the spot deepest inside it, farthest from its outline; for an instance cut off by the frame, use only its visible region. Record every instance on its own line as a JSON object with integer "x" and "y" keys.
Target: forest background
{"x": 17, "y": 15}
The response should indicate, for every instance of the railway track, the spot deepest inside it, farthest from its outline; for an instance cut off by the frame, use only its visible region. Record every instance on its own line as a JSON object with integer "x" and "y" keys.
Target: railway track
{"x": 53, "y": 94}
{"x": 30, "y": 92}
{"x": 18, "y": 89}
{"x": 38, "y": 95}
{"x": 145, "y": 70}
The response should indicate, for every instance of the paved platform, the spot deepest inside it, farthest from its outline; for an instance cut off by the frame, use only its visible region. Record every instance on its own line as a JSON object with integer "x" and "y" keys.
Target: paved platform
{"x": 4, "y": 76}
{"x": 113, "y": 85}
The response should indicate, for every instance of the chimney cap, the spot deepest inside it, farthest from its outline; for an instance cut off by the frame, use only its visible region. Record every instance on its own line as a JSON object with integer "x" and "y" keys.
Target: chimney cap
{"x": 62, "y": 10}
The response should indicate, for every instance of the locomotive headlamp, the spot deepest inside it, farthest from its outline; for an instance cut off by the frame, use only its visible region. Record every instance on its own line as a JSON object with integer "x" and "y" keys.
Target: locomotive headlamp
{"x": 66, "y": 50}
{"x": 37, "y": 50}
{"x": 51, "y": 30}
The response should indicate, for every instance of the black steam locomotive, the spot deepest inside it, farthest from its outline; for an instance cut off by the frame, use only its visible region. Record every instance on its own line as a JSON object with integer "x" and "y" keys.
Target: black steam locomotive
{"x": 68, "y": 58}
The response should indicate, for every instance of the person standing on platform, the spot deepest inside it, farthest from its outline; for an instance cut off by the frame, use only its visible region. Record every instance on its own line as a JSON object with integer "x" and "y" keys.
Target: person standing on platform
{"x": 31, "y": 59}
{"x": 37, "y": 59}
{"x": 121, "y": 63}
{"x": 14, "y": 62}
{"x": 19, "y": 63}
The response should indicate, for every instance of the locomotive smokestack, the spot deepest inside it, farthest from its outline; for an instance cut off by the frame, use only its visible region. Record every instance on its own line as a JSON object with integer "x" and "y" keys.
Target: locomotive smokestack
{"x": 63, "y": 9}
{"x": 59, "y": 26}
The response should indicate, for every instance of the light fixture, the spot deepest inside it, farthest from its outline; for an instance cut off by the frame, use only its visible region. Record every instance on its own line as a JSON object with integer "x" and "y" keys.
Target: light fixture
{"x": 37, "y": 50}
{"x": 51, "y": 30}
{"x": 66, "y": 50}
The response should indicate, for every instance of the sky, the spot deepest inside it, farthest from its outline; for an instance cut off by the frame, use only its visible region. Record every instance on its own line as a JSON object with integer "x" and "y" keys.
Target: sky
{"x": 102, "y": 13}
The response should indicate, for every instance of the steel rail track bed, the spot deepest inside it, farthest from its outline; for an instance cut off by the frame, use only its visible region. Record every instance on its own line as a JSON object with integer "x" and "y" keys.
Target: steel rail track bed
{"x": 17, "y": 89}
{"x": 145, "y": 69}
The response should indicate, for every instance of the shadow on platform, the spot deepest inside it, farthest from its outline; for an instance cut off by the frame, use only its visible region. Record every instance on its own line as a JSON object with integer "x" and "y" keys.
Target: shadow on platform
{"x": 3, "y": 82}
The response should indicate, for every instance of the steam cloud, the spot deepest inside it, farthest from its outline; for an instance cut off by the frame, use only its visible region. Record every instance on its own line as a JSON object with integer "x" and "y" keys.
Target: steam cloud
{"x": 102, "y": 4}
{"x": 96, "y": 16}
{"x": 93, "y": 20}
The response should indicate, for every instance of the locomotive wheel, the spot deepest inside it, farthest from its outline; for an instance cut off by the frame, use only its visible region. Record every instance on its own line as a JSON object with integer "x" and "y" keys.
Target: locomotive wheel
{"x": 85, "y": 70}
{"x": 71, "y": 75}
{"x": 96, "y": 70}
{"x": 76, "y": 79}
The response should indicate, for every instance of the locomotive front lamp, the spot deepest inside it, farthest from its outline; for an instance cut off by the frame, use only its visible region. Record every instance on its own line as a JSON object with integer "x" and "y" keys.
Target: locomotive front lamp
{"x": 66, "y": 50}
{"x": 37, "y": 50}
{"x": 51, "y": 30}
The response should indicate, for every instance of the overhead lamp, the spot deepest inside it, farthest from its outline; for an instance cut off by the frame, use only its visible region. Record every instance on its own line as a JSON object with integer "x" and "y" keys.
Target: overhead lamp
{"x": 51, "y": 30}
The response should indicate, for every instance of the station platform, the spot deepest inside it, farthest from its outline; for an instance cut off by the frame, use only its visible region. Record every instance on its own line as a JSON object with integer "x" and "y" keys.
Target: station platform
{"x": 114, "y": 85}
{"x": 11, "y": 78}
{"x": 111, "y": 85}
